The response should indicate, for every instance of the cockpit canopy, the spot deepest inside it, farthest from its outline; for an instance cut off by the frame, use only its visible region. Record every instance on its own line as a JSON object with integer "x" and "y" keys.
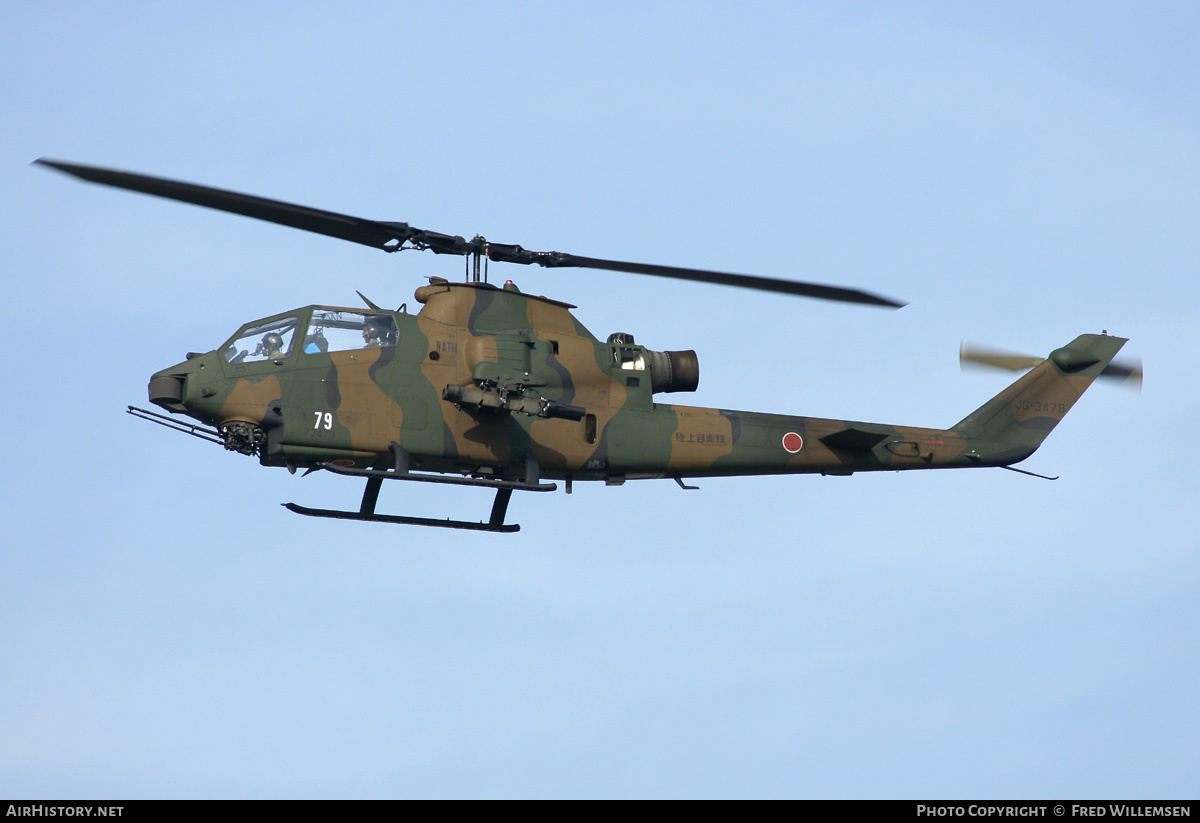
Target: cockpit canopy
{"x": 318, "y": 331}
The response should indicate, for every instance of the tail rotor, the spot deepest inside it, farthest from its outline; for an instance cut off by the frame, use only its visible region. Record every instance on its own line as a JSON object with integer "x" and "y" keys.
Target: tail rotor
{"x": 1127, "y": 373}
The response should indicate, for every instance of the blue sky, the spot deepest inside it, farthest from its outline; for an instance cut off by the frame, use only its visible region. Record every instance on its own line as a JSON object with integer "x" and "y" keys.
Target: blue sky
{"x": 1021, "y": 173}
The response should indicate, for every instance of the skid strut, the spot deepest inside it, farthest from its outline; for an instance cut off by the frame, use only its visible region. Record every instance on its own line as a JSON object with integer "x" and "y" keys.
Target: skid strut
{"x": 375, "y": 478}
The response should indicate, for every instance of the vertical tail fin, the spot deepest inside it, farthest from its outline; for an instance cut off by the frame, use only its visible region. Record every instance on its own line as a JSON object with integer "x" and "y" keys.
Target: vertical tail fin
{"x": 1021, "y": 416}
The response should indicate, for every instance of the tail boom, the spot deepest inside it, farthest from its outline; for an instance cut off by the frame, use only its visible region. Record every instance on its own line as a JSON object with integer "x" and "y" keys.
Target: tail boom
{"x": 702, "y": 442}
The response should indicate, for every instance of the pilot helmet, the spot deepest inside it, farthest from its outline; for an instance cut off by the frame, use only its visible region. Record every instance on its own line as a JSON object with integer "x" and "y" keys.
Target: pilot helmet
{"x": 375, "y": 328}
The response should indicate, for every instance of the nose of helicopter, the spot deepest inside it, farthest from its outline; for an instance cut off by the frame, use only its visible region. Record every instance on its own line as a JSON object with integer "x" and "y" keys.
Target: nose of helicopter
{"x": 170, "y": 388}
{"x": 166, "y": 390}
{"x": 195, "y": 388}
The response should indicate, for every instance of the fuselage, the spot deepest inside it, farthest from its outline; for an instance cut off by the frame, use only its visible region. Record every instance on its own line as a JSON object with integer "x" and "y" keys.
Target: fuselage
{"x": 484, "y": 379}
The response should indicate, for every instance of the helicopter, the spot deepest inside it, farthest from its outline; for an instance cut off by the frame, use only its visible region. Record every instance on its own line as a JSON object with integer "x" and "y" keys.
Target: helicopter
{"x": 488, "y": 386}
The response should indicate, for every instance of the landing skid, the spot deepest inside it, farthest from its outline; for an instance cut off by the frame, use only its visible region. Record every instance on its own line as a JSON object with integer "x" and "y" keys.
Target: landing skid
{"x": 375, "y": 478}
{"x": 495, "y": 524}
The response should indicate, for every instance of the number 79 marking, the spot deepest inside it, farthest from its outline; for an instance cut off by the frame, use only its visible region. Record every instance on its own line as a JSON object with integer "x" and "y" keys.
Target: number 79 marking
{"x": 323, "y": 417}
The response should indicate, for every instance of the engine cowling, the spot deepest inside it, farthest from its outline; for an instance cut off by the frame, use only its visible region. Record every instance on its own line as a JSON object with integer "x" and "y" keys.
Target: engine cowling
{"x": 673, "y": 371}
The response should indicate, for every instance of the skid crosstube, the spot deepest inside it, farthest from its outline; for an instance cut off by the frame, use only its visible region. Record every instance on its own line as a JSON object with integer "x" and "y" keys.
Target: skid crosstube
{"x": 452, "y": 480}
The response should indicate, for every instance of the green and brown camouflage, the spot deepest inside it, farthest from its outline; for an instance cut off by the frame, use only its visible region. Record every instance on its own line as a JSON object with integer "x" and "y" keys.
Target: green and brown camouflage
{"x": 491, "y": 382}
{"x": 487, "y": 386}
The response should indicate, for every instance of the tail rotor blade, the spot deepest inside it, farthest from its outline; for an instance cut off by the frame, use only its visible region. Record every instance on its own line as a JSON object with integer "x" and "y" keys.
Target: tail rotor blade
{"x": 1127, "y": 373}
{"x": 971, "y": 355}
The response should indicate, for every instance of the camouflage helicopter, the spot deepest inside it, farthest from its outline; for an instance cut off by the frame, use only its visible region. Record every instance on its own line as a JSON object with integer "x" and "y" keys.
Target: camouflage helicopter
{"x": 490, "y": 387}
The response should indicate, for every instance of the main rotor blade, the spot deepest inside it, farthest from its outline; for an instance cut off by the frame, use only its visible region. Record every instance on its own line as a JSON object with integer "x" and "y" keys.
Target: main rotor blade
{"x": 554, "y": 259}
{"x": 342, "y": 226}
{"x": 390, "y": 236}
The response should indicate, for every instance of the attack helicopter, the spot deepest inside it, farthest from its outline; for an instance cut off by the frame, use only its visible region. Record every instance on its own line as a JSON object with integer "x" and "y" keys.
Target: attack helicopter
{"x": 491, "y": 387}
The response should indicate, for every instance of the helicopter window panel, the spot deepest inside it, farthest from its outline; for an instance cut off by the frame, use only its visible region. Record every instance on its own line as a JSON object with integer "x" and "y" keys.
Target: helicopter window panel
{"x": 266, "y": 341}
{"x": 340, "y": 330}
{"x": 629, "y": 359}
